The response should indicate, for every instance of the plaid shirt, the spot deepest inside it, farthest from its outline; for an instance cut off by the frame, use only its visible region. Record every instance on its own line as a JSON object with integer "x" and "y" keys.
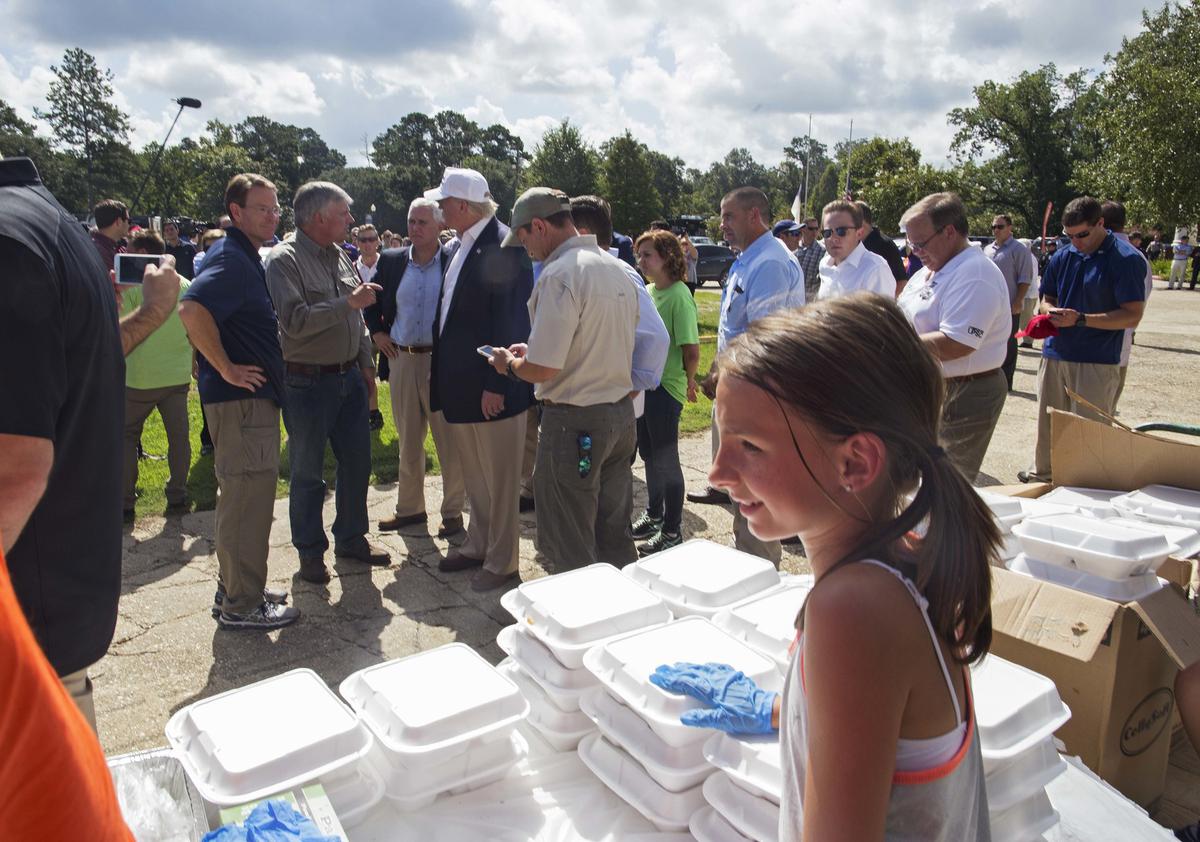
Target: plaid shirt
{"x": 810, "y": 263}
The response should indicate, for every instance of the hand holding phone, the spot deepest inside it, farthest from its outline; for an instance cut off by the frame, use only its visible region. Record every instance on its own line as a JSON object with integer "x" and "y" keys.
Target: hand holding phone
{"x": 131, "y": 268}
{"x": 486, "y": 351}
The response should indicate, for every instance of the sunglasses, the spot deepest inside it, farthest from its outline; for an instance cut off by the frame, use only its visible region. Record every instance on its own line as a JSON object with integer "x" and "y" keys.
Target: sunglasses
{"x": 999, "y": 226}
{"x": 368, "y": 239}
{"x": 1080, "y": 236}
{"x": 584, "y": 443}
{"x": 840, "y": 231}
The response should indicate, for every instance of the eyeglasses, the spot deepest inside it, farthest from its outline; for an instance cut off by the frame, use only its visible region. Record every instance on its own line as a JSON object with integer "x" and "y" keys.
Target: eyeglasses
{"x": 998, "y": 226}
{"x": 368, "y": 239}
{"x": 930, "y": 239}
{"x": 840, "y": 231}
{"x": 270, "y": 210}
{"x": 1080, "y": 236}
{"x": 585, "y": 454}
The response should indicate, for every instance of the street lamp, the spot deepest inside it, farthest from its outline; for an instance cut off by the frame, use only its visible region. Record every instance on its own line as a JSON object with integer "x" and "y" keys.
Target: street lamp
{"x": 370, "y": 213}
{"x": 182, "y": 102}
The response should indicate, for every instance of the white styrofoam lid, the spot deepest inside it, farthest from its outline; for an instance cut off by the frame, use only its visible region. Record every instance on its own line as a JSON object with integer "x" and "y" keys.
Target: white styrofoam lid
{"x": 624, "y": 665}
{"x": 1116, "y": 590}
{"x": 433, "y": 699}
{"x": 1007, "y": 510}
{"x": 250, "y": 742}
{"x": 707, "y": 825}
{"x": 542, "y": 712}
{"x": 1163, "y": 503}
{"x": 1037, "y": 507}
{"x": 1096, "y": 501}
{"x": 1024, "y": 820}
{"x": 754, "y": 763}
{"x": 700, "y": 577}
{"x": 768, "y": 621}
{"x": 533, "y": 657}
{"x": 1017, "y": 778}
{"x": 1184, "y": 537}
{"x": 624, "y": 776}
{"x": 582, "y": 606}
{"x": 1093, "y": 544}
{"x": 1015, "y": 707}
{"x": 755, "y": 817}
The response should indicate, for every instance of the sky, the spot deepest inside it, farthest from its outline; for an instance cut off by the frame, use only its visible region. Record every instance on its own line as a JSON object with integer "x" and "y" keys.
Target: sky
{"x": 692, "y": 79}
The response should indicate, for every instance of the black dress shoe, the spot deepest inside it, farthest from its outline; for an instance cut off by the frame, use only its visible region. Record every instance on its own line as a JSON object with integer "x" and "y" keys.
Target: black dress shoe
{"x": 526, "y": 504}
{"x": 375, "y": 420}
{"x": 456, "y": 561}
{"x": 450, "y": 526}
{"x": 398, "y": 522}
{"x": 366, "y": 552}
{"x": 708, "y": 495}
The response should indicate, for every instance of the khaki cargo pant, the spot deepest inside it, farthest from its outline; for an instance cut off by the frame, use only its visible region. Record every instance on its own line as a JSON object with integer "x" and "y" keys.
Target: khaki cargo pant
{"x": 171, "y": 402}
{"x": 1095, "y": 382}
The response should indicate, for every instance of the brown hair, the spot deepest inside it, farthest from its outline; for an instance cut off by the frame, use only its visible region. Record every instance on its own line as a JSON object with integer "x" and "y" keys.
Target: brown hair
{"x": 854, "y": 364}
{"x": 365, "y": 228}
{"x": 941, "y": 209}
{"x": 1081, "y": 210}
{"x": 750, "y": 198}
{"x": 240, "y": 185}
{"x": 668, "y": 248}
{"x": 594, "y": 214}
{"x": 146, "y": 241}
{"x": 844, "y": 206}
{"x": 109, "y": 211}
{"x": 211, "y": 236}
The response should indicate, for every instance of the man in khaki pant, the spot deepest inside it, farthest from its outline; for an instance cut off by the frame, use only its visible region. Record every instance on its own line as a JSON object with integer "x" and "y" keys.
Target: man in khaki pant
{"x": 230, "y": 320}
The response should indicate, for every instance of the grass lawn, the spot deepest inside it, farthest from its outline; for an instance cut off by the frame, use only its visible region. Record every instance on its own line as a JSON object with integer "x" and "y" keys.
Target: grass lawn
{"x": 202, "y": 485}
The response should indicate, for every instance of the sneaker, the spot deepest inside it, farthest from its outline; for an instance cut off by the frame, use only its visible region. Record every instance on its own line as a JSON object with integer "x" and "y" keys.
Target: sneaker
{"x": 271, "y": 595}
{"x": 661, "y": 541}
{"x": 375, "y": 420}
{"x": 266, "y": 616}
{"x": 708, "y": 495}
{"x": 646, "y": 527}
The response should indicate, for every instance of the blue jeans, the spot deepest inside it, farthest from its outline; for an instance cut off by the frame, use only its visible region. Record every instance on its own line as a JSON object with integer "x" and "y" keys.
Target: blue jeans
{"x": 658, "y": 444}
{"x": 327, "y": 408}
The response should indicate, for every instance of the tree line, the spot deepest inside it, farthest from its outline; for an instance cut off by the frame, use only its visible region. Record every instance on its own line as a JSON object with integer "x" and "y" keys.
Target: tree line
{"x": 1127, "y": 132}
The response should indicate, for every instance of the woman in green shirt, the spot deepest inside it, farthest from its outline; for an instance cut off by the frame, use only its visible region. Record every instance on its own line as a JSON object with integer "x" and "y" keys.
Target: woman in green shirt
{"x": 661, "y": 260}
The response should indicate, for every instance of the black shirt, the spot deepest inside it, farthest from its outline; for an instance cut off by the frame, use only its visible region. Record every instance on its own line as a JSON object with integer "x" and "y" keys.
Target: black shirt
{"x": 62, "y": 379}
{"x": 886, "y": 249}
{"x": 184, "y": 254}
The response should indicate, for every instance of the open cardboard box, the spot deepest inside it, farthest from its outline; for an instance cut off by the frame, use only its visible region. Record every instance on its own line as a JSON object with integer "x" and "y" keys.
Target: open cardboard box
{"x": 1114, "y": 664}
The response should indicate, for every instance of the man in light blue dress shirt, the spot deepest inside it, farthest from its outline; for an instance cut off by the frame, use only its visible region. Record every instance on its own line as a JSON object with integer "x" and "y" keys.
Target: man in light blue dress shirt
{"x": 763, "y": 279}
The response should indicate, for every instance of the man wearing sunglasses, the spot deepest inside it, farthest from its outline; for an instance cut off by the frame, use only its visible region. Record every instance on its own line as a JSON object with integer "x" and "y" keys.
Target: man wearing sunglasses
{"x": 1093, "y": 290}
{"x": 809, "y": 254}
{"x": 1016, "y": 263}
{"x": 848, "y": 267}
{"x": 367, "y": 264}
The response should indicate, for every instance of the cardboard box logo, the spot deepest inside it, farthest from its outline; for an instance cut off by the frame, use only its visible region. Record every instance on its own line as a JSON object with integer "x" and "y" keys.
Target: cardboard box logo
{"x": 1149, "y": 717}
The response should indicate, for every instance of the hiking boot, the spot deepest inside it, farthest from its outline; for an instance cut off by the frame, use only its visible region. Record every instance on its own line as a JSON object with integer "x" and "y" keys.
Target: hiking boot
{"x": 266, "y": 616}
{"x": 375, "y": 420}
{"x": 661, "y": 541}
{"x": 646, "y": 527}
{"x": 271, "y": 595}
{"x": 708, "y": 495}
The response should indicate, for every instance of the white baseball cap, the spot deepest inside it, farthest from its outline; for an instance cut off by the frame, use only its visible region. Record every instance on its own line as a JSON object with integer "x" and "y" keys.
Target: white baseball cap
{"x": 460, "y": 183}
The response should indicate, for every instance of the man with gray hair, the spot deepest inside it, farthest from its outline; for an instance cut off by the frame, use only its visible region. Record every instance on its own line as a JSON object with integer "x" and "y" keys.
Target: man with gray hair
{"x": 326, "y": 348}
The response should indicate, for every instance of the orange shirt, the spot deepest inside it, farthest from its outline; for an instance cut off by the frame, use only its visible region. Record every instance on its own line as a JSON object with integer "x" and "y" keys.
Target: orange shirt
{"x": 54, "y": 782}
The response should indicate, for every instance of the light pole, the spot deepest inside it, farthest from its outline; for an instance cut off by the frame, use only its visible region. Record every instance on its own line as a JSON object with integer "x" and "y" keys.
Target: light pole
{"x": 183, "y": 102}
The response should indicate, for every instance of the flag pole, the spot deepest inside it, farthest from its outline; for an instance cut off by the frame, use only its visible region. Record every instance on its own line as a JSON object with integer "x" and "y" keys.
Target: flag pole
{"x": 849, "y": 153}
{"x": 807, "y": 163}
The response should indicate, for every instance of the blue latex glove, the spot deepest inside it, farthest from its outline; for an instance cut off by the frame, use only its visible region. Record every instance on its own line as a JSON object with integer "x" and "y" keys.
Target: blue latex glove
{"x": 736, "y": 704}
{"x": 271, "y": 821}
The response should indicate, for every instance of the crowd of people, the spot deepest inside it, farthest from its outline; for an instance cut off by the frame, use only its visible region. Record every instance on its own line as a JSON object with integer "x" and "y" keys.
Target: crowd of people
{"x": 544, "y": 356}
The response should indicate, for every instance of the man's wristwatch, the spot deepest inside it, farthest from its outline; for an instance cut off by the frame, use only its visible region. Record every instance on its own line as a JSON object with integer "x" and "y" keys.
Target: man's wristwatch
{"x": 1081, "y": 321}
{"x": 512, "y": 373}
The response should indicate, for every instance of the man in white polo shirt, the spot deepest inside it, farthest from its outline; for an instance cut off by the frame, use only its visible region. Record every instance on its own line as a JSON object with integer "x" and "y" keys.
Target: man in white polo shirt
{"x": 959, "y": 305}
{"x": 847, "y": 266}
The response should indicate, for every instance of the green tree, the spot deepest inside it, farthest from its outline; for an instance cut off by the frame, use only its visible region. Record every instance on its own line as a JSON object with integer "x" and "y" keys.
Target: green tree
{"x": 368, "y": 186}
{"x": 1147, "y": 124}
{"x": 810, "y": 154}
{"x": 628, "y": 184}
{"x": 564, "y": 160}
{"x": 84, "y": 119}
{"x": 669, "y": 180}
{"x": 288, "y": 155}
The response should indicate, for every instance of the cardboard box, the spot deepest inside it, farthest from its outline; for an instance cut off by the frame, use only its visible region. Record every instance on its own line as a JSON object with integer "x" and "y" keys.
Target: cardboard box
{"x": 1114, "y": 664}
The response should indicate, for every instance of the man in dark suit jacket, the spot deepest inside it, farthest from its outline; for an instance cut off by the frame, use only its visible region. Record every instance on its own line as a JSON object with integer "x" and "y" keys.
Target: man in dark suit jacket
{"x": 485, "y": 296}
{"x": 401, "y": 324}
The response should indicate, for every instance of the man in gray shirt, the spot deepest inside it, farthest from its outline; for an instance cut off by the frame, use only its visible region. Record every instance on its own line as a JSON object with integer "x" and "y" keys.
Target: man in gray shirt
{"x": 326, "y": 349}
{"x": 809, "y": 256}
{"x": 1016, "y": 264}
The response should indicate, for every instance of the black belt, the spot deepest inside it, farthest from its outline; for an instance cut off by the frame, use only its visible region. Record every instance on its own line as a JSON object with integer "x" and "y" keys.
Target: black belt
{"x": 964, "y": 378}
{"x": 313, "y": 370}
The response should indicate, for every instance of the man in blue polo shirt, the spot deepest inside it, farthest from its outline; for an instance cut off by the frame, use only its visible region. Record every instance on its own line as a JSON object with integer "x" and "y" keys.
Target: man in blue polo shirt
{"x": 1093, "y": 291}
{"x": 763, "y": 279}
{"x": 230, "y": 320}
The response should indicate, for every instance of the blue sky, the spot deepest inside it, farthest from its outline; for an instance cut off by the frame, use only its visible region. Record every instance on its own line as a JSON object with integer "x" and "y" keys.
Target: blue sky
{"x": 692, "y": 79}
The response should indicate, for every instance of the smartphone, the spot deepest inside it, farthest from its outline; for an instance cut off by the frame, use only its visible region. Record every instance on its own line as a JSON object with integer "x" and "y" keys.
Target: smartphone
{"x": 486, "y": 351}
{"x": 130, "y": 268}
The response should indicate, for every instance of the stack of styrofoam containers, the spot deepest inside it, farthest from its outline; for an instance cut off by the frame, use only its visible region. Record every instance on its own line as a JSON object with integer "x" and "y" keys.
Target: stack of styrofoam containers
{"x": 558, "y": 619}
{"x": 744, "y": 794}
{"x": 1017, "y": 712}
{"x": 268, "y": 737}
{"x": 444, "y": 720}
{"x": 643, "y": 752}
{"x": 1173, "y": 511}
{"x": 767, "y": 621}
{"x": 699, "y": 578}
{"x": 1008, "y": 512}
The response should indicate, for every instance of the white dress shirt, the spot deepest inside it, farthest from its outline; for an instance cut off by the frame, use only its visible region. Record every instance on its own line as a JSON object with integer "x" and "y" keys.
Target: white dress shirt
{"x": 367, "y": 273}
{"x": 862, "y": 270}
{"x": 466, "y": 243}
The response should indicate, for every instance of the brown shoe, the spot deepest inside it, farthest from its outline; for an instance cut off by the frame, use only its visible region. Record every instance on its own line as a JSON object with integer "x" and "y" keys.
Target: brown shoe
{"x": 367, "y": 553}
{"x": 398, "y": 522}
{"x": 486, "y": 580}
{"x": 450, "y": 526}
{"x": 456, "y": 561}
{"x": 314, "y": 570}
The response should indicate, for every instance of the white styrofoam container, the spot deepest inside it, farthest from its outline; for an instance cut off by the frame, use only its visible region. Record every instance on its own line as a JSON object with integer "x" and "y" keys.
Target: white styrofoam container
{"x": 561, "y": 685}
{"x": 1184, "y": 537}
{"x": 1007, "y": 510}
{"x": 571, "y": 612}
{"x": 560, "y": 729}
{"x": 750, "y": 815}
{"x": 1037, "y": 507}
{"x": 669, "y": 811}
{"x": 1021, "y": 776}
{"x": 675, "y": 769}
{"x": 1115, "y": 590}
{"x": 767, "y": 621}
{"x": 412, "y": 789}
{"x": 699, "y": 578}
{"x": 1096, "y": 502}
{"x": 624, "y": 666}
{"x": 254, "y": 741}
{"x": 707, "y": 825}
{"x": 1024, "y": 820}
{"x": 431, "y": 706}
{"x": 753, "y": 763}
{"x": 1099, "y": 547}
{"x": 354, "y": 790}
{"x": 1011, "y": 548}
{"x": 1015, "y": 707}
{"x": 1162, "y": 504}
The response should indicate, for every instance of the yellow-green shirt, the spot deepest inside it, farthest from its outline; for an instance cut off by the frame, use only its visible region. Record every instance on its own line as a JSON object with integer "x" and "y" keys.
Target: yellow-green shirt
{"x": 678, "y": 311}
{"x": 165, "y": 357}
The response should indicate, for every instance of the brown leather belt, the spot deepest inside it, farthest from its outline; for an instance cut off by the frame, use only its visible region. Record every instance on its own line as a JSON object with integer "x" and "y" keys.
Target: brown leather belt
{"x": 416, "y": 349}
{"x": 964, "y": 378}
{"x": 313, "y": 370}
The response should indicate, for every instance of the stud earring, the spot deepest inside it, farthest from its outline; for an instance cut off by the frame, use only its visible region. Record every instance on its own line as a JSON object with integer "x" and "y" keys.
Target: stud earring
{"x": 847, "y": 488}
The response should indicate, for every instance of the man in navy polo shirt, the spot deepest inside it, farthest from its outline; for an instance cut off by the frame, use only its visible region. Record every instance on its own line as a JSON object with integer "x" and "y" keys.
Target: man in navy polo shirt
{"x": 1093, "y": 291}
{"x": 230, "y": 320}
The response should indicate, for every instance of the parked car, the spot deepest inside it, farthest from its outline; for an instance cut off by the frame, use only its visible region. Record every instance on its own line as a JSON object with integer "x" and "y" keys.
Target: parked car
{"x": 714, "y": 263}
{"x": 702, "y": 241}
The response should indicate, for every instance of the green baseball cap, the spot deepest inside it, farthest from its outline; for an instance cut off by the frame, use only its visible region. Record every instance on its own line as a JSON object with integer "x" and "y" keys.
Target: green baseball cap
{"x": 535, "y": 203}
